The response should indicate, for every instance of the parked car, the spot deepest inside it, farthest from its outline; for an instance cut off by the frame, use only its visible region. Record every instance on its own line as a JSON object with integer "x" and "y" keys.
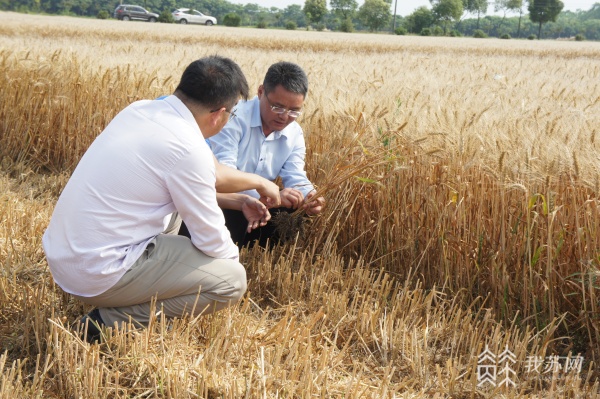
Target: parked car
{"x": 128, "y": 12}
{"x": 191, "y": 16}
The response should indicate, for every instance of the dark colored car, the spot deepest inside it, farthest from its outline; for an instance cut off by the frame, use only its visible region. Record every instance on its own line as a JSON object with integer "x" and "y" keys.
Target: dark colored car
{"x": 128, "y": 12}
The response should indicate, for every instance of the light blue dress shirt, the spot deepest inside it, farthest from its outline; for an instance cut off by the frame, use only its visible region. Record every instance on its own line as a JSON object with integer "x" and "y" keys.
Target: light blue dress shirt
{"x": 242, "y": 145}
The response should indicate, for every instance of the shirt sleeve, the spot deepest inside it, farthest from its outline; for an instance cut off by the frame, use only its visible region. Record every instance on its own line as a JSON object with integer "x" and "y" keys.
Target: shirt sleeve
{"x": 292, "y": 172}
{"x": 191, "y": 184}
{"x": 226, "y": 143}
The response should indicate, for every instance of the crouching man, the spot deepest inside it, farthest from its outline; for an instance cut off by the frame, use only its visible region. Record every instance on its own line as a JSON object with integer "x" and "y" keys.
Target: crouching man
{"x": 112, "y": 240}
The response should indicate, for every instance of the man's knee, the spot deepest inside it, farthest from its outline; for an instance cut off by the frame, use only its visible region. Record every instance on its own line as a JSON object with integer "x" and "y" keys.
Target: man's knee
{"x": 231, "y": 289}
{"x": 238, "y": 281}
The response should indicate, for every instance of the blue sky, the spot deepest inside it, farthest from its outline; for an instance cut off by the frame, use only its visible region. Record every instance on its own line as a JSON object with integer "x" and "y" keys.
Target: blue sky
{"x": 405, "y": 7}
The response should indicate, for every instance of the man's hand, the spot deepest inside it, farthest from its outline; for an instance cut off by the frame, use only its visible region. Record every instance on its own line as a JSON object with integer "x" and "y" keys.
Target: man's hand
{"x": 291, "y": 198}
{"x": 269, "y": 193}
{"x": 313, "y": 206}
{"x": 231, "y": 180}
{"x": 256, "y": 213}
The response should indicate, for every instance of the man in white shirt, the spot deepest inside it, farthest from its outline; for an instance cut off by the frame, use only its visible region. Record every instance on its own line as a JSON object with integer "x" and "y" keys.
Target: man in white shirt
{"x": 265, "y": 139}
{"x": 112, "y": 240}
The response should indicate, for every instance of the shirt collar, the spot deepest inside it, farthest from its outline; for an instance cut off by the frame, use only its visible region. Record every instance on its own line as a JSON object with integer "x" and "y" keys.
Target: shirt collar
{"x": 182, "y": 110}
{"x": 255, "y": 120}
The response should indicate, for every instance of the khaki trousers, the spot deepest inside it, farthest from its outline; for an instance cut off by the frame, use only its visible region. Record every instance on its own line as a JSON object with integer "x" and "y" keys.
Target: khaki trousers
{"x": 181, "y": 278}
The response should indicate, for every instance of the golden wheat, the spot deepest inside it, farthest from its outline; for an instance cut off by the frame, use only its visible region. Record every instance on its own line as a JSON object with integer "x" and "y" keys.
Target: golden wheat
{"x": 461, "y": 179}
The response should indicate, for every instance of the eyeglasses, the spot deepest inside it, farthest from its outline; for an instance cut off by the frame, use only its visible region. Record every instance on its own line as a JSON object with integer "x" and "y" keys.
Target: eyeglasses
{"x": 280, "y": 110}
{"x": 231, "y": 112}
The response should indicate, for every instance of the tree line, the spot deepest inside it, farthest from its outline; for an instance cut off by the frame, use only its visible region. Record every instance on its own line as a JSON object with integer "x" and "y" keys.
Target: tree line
{"x": 511, "y": 18}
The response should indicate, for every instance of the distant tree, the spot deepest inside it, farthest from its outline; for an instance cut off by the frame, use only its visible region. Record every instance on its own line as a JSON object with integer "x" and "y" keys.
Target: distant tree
{"x": 346, "y": 25}
{"x": 232, "y": 19}
{"x": 278, "y": 17}
{"x": 150, "y": 5}
{"x": 592, "y": 29}
{"x": 593, "y": 13}
{"x": 568, "y": 24}
{"x": 166, "y": 17}
{"x": 375, "y": 14}
{"x": 479, "y": 34}
{"x": 476, "y": 7}
{"x": 252, "y": 8}
{"x": 251, "y": 11}
{"x": 447, "y": 11}
{"x": 315, "y": 10}
{"x": 294, "y": 13}
{"x": 262, "y": 24}
{"x": 438, "y": 31}
{"x": 421, "y": 18}
{"x": 506, "y": 6}
{"x": 79, "y": 7}
{"x": 542, "y": 11}
{"x": 344, "y": 8}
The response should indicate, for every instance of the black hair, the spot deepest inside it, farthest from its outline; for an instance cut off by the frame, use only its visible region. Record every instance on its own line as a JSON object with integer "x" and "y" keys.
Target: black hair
{"x": 214, "y": 82}
{"x": 290, "y": 76}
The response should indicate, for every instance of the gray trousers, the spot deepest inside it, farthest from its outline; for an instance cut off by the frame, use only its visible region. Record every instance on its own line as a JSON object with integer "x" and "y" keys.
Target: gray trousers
{"x": 179, "y": 277}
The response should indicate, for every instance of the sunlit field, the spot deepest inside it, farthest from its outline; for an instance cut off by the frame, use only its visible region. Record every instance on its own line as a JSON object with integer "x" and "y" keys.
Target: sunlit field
{"x": 461, "y": 177}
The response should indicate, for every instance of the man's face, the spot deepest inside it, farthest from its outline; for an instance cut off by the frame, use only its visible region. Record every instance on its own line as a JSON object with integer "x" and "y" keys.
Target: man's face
{"x": 210, "y": 128}
{"x": 279, "y": 97}
{"x": 225, "y": 115}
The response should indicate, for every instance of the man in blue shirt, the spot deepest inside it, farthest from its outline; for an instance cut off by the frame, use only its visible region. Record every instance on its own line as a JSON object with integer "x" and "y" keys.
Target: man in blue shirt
{"x": 264, "y": 138}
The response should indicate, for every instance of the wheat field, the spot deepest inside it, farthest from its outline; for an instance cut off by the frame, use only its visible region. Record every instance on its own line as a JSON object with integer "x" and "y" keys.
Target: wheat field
{"x": 461, "y": 178}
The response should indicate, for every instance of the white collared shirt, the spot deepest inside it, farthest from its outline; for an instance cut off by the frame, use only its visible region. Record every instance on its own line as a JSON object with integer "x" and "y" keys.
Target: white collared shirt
{"x": 150, "y": 161}
{"x": 242, "y": 145}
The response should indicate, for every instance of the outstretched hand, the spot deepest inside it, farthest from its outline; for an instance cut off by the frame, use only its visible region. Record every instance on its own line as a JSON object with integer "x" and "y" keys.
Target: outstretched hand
{"x": 313, "y": 206}
{"x": 256, "y": 213}
{"x": 291, "y": 198}
{"x": 269, "y": 193}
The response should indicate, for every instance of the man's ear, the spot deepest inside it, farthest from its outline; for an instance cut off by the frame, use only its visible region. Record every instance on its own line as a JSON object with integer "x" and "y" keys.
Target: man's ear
{"x": 261, "y": 90}
{"x": 209, "y": 123}
{"x": 216, "y": 116}
{"x": 213, "y": 123}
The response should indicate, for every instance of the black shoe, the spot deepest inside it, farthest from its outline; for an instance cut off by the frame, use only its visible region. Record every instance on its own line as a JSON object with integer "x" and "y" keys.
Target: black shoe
{"x": 91, "y": 324}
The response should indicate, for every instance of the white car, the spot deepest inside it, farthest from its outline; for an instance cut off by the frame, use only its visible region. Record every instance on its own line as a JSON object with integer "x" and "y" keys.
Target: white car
{"x": 191, "y": 16}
